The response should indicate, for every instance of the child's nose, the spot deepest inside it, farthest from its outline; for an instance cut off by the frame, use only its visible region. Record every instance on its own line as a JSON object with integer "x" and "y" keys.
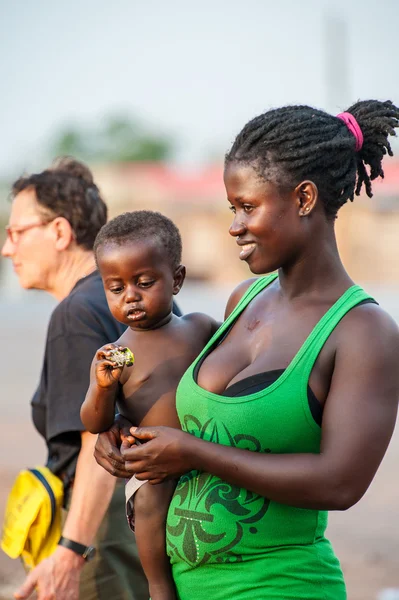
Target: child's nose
{"x": 133, "y": 294}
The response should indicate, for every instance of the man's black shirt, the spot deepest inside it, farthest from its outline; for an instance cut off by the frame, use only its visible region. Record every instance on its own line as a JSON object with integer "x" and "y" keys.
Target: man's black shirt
{"x": 78, "y": 326}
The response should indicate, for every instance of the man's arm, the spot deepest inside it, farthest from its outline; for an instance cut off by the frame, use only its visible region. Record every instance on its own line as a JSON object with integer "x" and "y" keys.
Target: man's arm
{"x": 58, "y": 576}
{"x": 91, "y": 484}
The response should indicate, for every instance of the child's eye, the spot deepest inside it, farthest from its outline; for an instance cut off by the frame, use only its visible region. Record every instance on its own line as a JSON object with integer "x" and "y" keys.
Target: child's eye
{"x": 116, "y": 290}
{"x": 145, "y": 284}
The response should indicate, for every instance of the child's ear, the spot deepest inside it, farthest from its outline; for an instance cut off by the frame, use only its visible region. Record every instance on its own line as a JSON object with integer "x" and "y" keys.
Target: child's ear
{"x": 178, "y": 279}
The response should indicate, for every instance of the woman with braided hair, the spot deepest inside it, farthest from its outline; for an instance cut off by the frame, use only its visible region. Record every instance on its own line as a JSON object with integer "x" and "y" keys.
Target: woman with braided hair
{"x": 288, "y": 411}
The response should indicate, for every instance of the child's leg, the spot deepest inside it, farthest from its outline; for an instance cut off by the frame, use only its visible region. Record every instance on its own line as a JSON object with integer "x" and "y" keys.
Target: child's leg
{"x": 151, "y": 503}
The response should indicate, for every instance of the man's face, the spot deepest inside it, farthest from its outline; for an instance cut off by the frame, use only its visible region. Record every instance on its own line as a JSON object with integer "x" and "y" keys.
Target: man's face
{"x": 30, "y": 242}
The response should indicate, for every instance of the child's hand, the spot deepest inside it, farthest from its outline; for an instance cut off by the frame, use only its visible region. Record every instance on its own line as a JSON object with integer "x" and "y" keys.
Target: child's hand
{"x": 107, "y": 370}
{"x": 128, "y": 441}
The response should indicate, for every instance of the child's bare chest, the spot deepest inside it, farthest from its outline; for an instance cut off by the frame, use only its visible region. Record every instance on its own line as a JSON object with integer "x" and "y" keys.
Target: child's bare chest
{"x": 160, "y": 362}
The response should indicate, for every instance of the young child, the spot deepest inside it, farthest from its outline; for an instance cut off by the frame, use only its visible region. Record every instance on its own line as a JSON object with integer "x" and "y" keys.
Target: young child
{"x": 138, "y": 255}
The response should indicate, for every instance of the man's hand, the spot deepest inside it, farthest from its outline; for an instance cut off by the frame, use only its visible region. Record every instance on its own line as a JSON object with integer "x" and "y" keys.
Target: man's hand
{"x": 107, "y": 449}
{"x": 55, "y": 577}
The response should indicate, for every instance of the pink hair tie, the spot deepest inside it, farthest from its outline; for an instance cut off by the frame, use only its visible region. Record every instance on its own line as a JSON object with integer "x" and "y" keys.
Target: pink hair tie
{"x": 353, "y": 127}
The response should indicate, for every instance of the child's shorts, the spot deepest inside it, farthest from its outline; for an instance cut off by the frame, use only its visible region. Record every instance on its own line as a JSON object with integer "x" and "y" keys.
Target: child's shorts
{"x": 131, "y": 487}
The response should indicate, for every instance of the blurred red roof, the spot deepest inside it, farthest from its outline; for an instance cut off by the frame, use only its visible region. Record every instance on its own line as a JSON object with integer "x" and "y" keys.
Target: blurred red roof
{"x": 177, "y": 183}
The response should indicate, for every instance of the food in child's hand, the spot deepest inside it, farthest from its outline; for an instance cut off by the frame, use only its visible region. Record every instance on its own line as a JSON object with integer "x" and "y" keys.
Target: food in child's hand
{"x": 122, "y": 357}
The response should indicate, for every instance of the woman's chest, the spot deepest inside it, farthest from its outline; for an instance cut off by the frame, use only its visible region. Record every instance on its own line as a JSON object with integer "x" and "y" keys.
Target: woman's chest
{"x": 262, "y": 341}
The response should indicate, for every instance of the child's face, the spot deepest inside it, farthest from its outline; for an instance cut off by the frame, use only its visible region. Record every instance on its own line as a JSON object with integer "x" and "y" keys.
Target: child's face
{"x": 139, "y": 283}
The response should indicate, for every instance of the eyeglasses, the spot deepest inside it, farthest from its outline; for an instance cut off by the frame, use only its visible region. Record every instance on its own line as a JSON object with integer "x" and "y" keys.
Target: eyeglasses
{"x": 13, "y": 233}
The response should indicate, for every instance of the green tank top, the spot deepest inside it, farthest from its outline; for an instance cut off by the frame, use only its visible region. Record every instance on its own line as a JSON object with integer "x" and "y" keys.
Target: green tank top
{"x": 227, "y": 542}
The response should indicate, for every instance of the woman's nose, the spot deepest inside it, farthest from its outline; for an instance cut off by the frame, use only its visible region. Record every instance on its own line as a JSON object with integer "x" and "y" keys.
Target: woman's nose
{"x": 237, "y": 227}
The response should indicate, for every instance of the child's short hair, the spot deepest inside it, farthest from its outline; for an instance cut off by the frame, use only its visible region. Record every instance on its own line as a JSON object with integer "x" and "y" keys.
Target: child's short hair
{"x": 142, "y": 225}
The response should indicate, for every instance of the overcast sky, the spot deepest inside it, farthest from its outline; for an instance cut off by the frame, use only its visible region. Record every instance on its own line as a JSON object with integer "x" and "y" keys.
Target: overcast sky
{"x": 196, "y": 70}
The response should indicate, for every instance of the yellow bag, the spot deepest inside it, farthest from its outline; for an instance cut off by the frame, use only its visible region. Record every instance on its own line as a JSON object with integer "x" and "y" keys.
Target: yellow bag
{"x": 32, "y": 522}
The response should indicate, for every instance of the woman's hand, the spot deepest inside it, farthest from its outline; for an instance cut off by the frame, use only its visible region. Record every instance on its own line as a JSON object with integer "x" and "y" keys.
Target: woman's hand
{"x": 167, "y": 453}
{"x": 107, "y": 449}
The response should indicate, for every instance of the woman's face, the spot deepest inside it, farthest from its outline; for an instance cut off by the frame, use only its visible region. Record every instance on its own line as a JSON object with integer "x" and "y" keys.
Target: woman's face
{"x": 31, "y": 244}
{"x": 267, "y": 222}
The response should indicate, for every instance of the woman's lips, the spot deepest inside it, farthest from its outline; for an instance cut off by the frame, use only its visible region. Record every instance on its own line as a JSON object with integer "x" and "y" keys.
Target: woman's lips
{"x": 246, "y": 250}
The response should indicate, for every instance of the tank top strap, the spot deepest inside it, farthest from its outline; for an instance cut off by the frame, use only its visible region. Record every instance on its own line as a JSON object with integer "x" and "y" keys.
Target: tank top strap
{"x": 310, "y": 350}
{"x": 257, "y": 286}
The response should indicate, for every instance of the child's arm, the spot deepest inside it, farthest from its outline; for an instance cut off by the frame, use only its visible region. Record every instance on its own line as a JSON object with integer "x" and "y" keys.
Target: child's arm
{"x": 98, "y": 409}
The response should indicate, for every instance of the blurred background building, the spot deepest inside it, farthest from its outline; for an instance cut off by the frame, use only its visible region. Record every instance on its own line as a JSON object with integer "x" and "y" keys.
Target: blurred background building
{"x": 194, "y": 197}
{"x": 151, "y": 94}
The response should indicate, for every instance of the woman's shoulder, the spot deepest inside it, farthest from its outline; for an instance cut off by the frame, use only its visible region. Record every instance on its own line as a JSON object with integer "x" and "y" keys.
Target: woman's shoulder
{"x": 369, "y": 325}
{"x": 237, "y": 294}
{"x": 366, "y": 359}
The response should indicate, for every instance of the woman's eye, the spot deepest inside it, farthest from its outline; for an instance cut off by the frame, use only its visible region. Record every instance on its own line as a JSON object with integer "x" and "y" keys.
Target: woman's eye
{"x": 247, "y": 207}
{"x": 233, "y": 209}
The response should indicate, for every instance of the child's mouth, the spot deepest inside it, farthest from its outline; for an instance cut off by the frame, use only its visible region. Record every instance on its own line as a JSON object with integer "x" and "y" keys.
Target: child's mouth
{"x": 135, "y": 314}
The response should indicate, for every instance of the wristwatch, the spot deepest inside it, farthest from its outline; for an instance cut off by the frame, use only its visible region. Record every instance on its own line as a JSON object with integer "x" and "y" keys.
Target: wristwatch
{"x": 86, "y": 552}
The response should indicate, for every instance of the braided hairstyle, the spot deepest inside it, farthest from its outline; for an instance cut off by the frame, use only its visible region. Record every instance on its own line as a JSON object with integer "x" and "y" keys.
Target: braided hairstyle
{"x": 67, "y": 190}
{"x": 287, "y": 145}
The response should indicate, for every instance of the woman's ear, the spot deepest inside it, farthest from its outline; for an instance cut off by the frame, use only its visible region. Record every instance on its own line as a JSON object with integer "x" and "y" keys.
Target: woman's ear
{"x": 307, "y": 195}
{"x": 63, "y": 233}
{"x": 178, "y": 279}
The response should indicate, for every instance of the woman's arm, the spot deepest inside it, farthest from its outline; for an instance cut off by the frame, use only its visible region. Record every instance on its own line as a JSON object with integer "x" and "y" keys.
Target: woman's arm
{"x": 358, "y": 422}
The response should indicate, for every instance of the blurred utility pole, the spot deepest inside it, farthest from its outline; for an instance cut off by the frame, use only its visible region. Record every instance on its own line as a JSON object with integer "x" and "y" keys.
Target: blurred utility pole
{"x": 337, "y": 66}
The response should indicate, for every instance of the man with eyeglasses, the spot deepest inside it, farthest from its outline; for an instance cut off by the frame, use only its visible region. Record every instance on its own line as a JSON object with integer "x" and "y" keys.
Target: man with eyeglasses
{"x": 10, "y": 248}
{"x": 55, "y": 217}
